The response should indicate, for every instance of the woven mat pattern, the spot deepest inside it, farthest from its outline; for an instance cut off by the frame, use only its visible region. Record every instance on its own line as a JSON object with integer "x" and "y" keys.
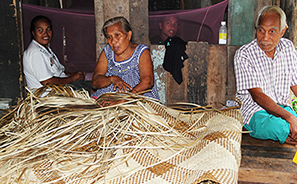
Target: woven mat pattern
{"x": 213, "y": 152}
{"x": 61, "y": 139}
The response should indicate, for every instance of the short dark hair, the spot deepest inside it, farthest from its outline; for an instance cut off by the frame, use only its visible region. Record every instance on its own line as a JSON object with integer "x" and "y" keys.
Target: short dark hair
{"x": 37, "y": 18}
{"x": 163, "y": 18}
{"x": 126, "y": 26}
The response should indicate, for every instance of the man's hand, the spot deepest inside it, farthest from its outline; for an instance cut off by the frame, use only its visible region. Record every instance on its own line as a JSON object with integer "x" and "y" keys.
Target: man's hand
{"x": 293, "y": 128}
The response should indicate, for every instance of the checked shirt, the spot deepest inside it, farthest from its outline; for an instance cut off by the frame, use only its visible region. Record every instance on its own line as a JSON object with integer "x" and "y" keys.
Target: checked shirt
{"x": 254, "y": 69}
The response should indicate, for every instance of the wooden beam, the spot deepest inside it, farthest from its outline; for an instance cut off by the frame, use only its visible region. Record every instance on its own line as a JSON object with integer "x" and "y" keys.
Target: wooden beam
{"x": 216, "y": 76}
{"x": 231, "y": 83}
{"x": 182, "y": 4}
{"x": 290, "y": 8}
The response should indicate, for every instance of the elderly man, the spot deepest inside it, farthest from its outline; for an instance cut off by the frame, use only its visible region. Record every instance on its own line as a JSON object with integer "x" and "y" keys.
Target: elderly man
{"x": 265, "y": 72}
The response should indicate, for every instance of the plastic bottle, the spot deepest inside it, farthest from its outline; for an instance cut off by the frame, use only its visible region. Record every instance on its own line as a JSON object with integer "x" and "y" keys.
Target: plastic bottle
{"x": 223, "y": 33}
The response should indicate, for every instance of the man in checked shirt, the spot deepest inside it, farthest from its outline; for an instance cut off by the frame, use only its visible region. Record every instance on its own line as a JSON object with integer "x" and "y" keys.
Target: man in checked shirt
{"x": 266, "y": 71}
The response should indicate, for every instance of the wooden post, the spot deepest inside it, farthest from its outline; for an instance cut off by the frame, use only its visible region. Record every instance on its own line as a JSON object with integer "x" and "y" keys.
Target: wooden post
{"x": 240, "y": 21}
{"x": 135, "y": 11}
{"x": 12, "y": 83}
{"x": 216, "y": 75}
{"x": 290, "y": 8}
{"x": 104, "y": 10}
{"x": 205, "y": 3}
{"x": 196, "y": 83}
{"x": 138, "y": 17}
{"x": 182, "y": 4}
{"x": 231, "y": 82}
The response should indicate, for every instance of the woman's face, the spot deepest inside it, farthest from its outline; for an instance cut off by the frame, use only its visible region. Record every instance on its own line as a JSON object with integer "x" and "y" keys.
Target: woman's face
{"x": 42, "y": 32}
{"x": 118, "y": 39}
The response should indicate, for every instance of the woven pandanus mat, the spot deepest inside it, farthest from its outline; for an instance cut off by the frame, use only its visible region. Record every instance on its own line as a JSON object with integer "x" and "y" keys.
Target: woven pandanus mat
{"x": 66, "y": 137}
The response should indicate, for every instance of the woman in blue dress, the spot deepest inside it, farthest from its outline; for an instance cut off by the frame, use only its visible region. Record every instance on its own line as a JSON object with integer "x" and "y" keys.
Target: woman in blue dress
{"x": 123, "y": 66}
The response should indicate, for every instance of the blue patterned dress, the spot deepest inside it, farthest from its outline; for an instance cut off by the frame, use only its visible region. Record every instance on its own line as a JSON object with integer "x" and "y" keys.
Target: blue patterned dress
{"x": 127, "y": 70}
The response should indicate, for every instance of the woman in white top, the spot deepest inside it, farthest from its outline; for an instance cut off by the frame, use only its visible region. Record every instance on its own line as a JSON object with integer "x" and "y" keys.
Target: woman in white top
{"x": 41, "y": 65}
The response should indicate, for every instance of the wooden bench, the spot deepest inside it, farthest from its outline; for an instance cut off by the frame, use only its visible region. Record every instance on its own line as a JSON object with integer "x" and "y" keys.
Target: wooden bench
{"x": 266, "y": 161}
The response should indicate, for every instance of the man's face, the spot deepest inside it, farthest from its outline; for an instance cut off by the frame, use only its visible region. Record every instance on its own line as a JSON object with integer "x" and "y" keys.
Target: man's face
{"x": 169, "y": 27}
{"x": 269, "y": 33}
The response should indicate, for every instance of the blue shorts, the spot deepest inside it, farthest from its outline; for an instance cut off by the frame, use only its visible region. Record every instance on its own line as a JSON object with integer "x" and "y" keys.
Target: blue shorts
{"x": 266, "y": 126}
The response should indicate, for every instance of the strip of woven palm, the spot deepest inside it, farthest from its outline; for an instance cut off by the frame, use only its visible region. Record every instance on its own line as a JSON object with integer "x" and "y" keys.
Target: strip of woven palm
{"x": 66, "y": 137}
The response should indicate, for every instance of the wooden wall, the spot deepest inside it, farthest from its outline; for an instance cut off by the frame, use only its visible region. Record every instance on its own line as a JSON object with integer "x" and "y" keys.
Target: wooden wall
{"x": 242, "y": 15}
{"x": 208, "y": 75}
{"x": 156, "y": 5}
{"x": 10, "y": 52}
{"x": 11, "y": 48}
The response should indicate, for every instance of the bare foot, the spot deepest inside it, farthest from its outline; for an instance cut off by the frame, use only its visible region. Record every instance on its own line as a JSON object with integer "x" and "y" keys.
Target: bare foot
{"x": 289, "y": 140}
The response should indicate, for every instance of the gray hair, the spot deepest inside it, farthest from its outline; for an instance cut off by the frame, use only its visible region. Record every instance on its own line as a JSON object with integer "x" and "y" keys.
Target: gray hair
{"x": 273, "y": 9}
{"x": 126, "y": 26}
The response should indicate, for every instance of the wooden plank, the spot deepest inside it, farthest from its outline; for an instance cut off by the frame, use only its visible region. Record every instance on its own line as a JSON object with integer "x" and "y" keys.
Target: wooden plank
{"x": 12, "y": 80}
{"x": 161, "y": 76}
{"x": 248, "y": 140}
{"x": 216, "y": 76}
{"x": 269, "y": 164}
{"x": 268, "y": 152}
{"x": 249, "y": 176}
{"x": 198, "y": 53}
{"x": 266, "y": 161}
{"x": 231, "y": 83}
{"x": 138, "y": 17}
{"x": 177, "y": 92}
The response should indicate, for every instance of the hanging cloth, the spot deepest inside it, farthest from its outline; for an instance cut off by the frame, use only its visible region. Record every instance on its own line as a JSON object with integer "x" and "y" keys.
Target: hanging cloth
{"x": 174, "y": 57}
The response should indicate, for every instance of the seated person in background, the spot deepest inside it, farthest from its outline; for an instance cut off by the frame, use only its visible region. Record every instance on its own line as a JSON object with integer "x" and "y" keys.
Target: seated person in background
{"x": 41, "y": 65}
{"x": 175, "y": 47}
{"x": 168, "y": 28}
{"x": 123, "y": 66}
{"x": 265, "y": 72}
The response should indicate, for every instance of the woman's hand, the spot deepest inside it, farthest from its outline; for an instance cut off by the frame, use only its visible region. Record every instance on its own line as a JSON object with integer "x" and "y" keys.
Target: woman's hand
{"x": 77, "y": 76}
{"x": 120, "y": 84}
{"x": 105, "y": 103}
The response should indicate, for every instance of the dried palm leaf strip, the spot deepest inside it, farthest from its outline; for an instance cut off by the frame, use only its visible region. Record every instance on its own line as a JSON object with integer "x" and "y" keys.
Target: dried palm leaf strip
{"x": 66, "y": 137}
